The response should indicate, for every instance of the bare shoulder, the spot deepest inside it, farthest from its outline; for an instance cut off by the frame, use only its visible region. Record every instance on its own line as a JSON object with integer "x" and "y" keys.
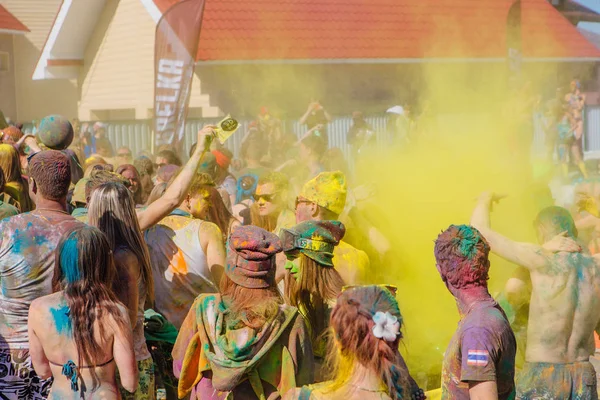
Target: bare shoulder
{"x": 209, "y": 230}
{"x": 47, "y": 301}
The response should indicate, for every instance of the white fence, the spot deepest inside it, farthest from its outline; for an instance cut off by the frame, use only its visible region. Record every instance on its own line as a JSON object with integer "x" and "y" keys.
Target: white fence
{"x": 137, "y": 136}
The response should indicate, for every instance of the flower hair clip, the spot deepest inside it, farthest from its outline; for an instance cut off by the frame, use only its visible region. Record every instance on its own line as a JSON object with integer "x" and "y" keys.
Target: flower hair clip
{"x": 386, "y": 326}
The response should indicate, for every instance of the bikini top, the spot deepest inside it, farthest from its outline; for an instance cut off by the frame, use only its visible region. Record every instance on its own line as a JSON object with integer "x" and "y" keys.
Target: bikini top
{"x": 69, "y": 369}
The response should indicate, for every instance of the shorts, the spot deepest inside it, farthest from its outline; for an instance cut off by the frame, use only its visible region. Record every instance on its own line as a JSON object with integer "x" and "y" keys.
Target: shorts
{"x": 145, "y": 389}
{"x": 546, "y": 381}
{"x": 18, "y": 380}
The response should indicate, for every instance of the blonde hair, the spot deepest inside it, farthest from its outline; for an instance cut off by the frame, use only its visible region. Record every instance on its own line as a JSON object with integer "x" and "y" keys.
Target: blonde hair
{"x": 112, "y": 210}
{"x": 10, "y": 163}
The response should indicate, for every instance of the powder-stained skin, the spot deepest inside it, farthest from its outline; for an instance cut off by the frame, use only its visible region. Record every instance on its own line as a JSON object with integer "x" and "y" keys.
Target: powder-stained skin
{"x": 564, "y": 305}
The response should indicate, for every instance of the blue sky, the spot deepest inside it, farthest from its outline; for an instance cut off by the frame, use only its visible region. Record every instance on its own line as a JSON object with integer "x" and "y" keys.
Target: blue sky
{"x": 594, "y": 5}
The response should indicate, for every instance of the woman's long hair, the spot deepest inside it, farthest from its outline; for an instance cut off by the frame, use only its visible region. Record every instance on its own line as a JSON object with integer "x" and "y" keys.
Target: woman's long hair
{"x": 354, "y": 342}
{"x": 266, "y": 222}
{"x": 250, "y": 307}
{"x": 10, "y": 163}
{"x": 112, "y": 210}
{"x": 317, "y": 286}
{"x": 85, "y": 271}
{"x": 218, "y": 213}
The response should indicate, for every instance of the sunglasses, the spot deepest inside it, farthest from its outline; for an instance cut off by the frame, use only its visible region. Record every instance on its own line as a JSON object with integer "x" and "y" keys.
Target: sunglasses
{"x": 266, "y": 197}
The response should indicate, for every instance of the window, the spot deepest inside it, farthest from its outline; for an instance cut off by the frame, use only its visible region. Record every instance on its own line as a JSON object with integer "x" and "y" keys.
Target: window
{"x": 4, "y": 61}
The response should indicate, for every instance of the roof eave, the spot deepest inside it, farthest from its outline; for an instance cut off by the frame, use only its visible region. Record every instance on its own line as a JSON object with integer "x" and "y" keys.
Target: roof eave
{"x": 393, "y": 60}
{"x": 13, "y": 31}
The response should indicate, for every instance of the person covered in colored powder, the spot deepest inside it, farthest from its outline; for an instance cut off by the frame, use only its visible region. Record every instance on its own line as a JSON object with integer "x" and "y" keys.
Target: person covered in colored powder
{"x": 6, "y": 209}
{"x": 565, "y": 128}
{"x": 575, "y": 100}
{"x": 564, "y": 306}
{"x": 324, "y": 198}
{"x": 270, "y": 209}
{"x": 479, "y": 362}
{"x": 367, "y": 365}
{"x": 313, "y": 283}
{"x": 16, "y": 185}
{"x": 27, "y": 264}
{"x": 244, "y": 342}
{"x": 83, "y": 361}
{"x": 186, "y": 253}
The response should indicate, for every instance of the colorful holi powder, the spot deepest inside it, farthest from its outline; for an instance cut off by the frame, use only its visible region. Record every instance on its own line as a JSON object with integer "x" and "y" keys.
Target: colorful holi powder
{"x": 469, "y": 237}
{"x": 69, "y": 257}
{"x": 61, "y": 318}
{"x": 426, "y": 185}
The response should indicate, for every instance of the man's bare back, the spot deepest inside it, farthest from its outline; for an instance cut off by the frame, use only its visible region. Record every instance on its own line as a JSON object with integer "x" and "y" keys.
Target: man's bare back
{"x": 564, "y": 309}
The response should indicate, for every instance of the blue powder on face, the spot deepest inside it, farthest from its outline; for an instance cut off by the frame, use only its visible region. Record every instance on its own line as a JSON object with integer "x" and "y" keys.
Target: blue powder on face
{"x": 61, "y": 319}
{"x": 69, "y": 257}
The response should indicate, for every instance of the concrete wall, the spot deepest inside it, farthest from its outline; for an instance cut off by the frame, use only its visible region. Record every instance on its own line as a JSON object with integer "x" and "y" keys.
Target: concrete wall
{"x": 118, "y": 70}
{"x": 36, "y": 99}
{"x": 8, "y": 100}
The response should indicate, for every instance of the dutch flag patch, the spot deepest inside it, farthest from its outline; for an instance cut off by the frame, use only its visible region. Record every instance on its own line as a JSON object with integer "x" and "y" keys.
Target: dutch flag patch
{"x": 478, "y": 358}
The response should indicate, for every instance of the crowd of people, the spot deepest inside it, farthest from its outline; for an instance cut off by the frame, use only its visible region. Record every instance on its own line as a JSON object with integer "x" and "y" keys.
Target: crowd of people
{"x": 222, "y": 278}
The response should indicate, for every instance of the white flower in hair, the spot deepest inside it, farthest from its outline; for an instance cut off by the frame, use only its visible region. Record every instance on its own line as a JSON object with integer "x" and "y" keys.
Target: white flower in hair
{"x": 386, "y": 326}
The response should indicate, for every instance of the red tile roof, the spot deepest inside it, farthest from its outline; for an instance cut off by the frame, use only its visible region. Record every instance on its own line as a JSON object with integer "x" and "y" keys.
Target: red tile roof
{"x": 380, "y": 29}
{"x": 9, "y": 22}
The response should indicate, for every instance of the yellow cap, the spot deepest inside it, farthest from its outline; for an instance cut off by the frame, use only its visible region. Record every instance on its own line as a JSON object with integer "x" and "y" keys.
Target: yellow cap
{"x": 79, "y": 191}
{"x": 328, "y": 190}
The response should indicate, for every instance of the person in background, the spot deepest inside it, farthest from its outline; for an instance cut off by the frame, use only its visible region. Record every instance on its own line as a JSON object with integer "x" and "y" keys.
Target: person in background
{"x": 311, "y": 148}
{"x": 166, "y": 157}
{"x": 224, "y": 179}
{"x": 78, "y": 200}
{"x": 105, "y": 149}
{"x": 129, "y": 172}
{"x": 11, "y": 135}
{"x": 124, "y": 156}
{"x": 6, "y": 209}
{"x": 316, "y": 117}
{"x": 16, "y": 186}
{"x": 216, "y": 211}
{"x": 358, "y": 124}
{"x": 211, "y": 168}
{"x": 146, "y": 170}
{"x": 252, "y": 158}
{"x": 575, "y": 100}
{"x": 480, "y": 359}
{"x": 366, "y": 364}
{"x": 324, "y": 198}
{"x": 80, "y": 335}
{"x": 27, "y": 263}
{"x": 270, "y": 210}
{"x": 246, "y": 188}
{"x": 244, "y": 342}
{"x": 312, "y": 283}
{"x": 166, "y": 173}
